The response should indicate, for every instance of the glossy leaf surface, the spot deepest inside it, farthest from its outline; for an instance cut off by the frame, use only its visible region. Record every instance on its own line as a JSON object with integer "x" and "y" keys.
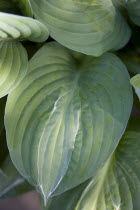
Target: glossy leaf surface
{"x": 90, "y": 27}
{"x": 18, "y": 27}
{"x": 69, "y": 113}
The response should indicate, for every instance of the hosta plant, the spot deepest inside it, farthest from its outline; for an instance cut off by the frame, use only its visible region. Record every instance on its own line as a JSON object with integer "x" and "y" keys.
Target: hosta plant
{"x": 69, "y": 107}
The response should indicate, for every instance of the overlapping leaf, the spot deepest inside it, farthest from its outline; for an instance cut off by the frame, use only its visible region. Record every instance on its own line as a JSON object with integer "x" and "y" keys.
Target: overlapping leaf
{"x": 13, "y": 65}
{"x": 116, "y": 186}
{"x": 18, "y": 27}
{"x": 11, "y": 182}
{"x": 135, "y": 81}
{"x": 133, "y": 8}
{"x": 68, "y": 114}
{"x": 90, "y": 27}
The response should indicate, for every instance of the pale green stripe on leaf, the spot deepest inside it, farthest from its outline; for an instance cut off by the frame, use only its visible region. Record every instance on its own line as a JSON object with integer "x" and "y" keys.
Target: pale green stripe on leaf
{"x": 13, "y": 65}
{"x": 69, "y": 113}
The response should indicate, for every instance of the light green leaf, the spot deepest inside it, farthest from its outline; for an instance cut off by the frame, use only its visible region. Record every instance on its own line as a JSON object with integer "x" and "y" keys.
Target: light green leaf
{"x": 13, "y": 65}
{"x": 135, "y": 81}
{"x": 116, "y": 186}
{"x": 25, "y": 7}
{"x": 90, "y": 27}
{"x": 18, "y": 27}
{"x": 11, "y": 182}
{"x": 68, "y": 113}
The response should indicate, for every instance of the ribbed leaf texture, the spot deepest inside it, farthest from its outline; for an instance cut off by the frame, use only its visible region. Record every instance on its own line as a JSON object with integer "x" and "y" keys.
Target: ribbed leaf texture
{"x": 68, "y": 113}
{"x": 18, "y": 27}
{"x": 116, "y": 186}
{"x": 13, "y": 65}
{"x": 89, "y": 26}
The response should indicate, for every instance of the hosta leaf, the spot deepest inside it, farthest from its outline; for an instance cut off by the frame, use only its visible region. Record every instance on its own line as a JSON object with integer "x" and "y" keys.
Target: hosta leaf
{"x": 117, "y": 185}
{"x": 11, "y": 182}
{"x": 90, "y": 27}
{"x": 68, "y": 113}
{"x": 133, "y": 8}
{"x": 25, "y": 7}
{"x": 18, "y": 27}
{"x": 13, "y": 65}
{"x": 135, "y": 81}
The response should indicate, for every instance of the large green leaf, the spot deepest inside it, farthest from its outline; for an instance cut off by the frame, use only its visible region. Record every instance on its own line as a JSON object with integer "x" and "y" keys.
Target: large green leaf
{"x": 69, "y": 113}
{"x": 13, "y": 65}
{"x": 116, "y": 186}
{"x": 91, "y": 27}
{"x": 18, "y": 27}
{"x": 135, "y": 81}
{"x": 11, "y": 182}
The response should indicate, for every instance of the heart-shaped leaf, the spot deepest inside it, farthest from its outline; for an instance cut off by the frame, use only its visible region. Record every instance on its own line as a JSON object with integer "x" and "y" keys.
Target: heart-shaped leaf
{"x": 68, "y": 113}
{"x": 18, "y": 27}
{"x": 116, "y": 186}
{"x": 13, "y": 65}
{"x": 135, "y": 81}
{"x": 90, "y": 27}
